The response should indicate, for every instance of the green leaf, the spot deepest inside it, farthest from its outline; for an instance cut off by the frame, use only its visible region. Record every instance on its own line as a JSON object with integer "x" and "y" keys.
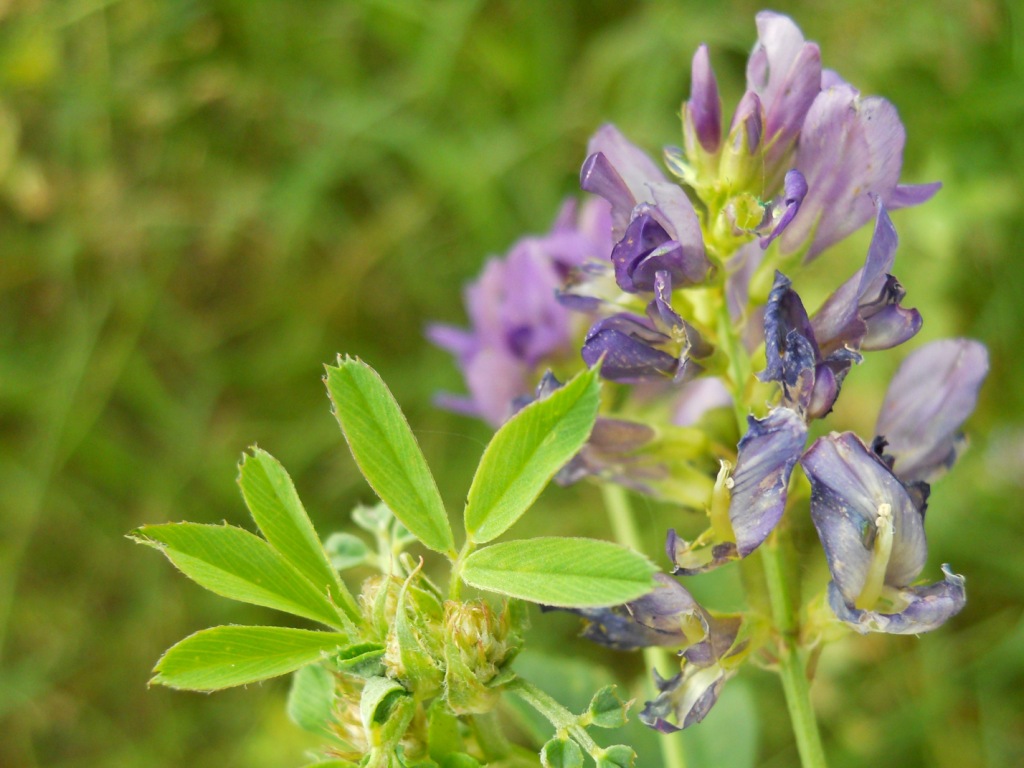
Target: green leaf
{"x": 607, "y": 710}
{"x": 619, "y": 756}
{"x": 239, "y": 565}
{"x": 387, "y": 453}
{"x": 346, "y": 550}
{"x": 569, "y": 573}
{"x": 386, "y": 710}
{"x": 275, "y": 506}
{"x": 525, "y": 454}
{"x": 223, "y": 657}
{"x": 561, "y": 753}
{"x": 311, "y": 699}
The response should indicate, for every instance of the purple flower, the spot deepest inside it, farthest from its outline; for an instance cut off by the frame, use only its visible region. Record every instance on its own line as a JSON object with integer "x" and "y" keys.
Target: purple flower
{"x": 518, "y": 324}
{"x": 668, "y": 231}
{"x": 871, "y": 526}
{"x": 850, "y": 150}
{"x": 702, "y": 113}
{"x": 746, "y": 503}
{"x": 670, "y": 617}
{"x": 784, "y": 71}
{"x": 865, "y": 312}
{"x": 929, "y": 398}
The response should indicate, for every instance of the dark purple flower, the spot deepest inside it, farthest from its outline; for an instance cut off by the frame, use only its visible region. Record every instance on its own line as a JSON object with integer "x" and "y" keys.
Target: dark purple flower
{"x": 850, "y": 150}
{"x": 929, "y": 398}
{"x": 670, "y": 617}
{"x": 629, "y": 180}
{"x": 517, "y": 322}
{"x": 747, "y": 503}
{"x": 702, "y": 113}
{"x": 871, "y": 526}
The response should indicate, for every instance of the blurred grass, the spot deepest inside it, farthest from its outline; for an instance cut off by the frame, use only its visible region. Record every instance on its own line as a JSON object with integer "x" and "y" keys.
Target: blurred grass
{"x": 203, "y": 202}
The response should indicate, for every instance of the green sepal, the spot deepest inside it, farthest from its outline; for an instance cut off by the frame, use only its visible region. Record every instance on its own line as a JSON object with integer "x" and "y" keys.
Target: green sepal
{"x": 525, "y": 454}
{"x": 364, "y": 660}
{"x": 418, "y": 627}
{"x": 386, "y": 709}
{"x": 618, "y": 756}
{"x": 387, "y": 453}
{"x": 443, "y": 735}
{"x": 561, "y": 753}
{"x": 607, "y": 710}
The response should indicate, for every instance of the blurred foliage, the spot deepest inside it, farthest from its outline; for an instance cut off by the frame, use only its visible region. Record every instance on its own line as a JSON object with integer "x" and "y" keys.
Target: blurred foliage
{"x": 203, "y": 202}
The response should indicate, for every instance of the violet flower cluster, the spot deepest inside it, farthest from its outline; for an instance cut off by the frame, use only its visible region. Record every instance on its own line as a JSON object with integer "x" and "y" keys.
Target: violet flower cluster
{"x": 680, "y": 289}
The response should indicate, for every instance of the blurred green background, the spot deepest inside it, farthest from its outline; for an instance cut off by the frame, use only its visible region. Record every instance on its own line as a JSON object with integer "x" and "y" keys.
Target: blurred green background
{"x": 201, "y": 203}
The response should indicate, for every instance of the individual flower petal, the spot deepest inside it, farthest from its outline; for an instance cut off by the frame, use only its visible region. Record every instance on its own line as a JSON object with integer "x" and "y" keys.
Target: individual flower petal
{"x": 686, "y": 698}
{"x": 794, "y": 191}
{"x": 929, "y": 398}
{"x": 767, "y": 455}
{"x": 866, "y": 307}
{"x": 921, "y": 609}
{"x": 646, "y": 249}
{"x": 791, "y": 351}
{"x": 849, "y": 149}
{"x": 702, "y": 113}
{"x": 870, "y": 525}
{"x": 620, "y": 172}
{"x": 785, "y": 72}
{"x": 667, "y": 616}
{"x": 741, "y": 163}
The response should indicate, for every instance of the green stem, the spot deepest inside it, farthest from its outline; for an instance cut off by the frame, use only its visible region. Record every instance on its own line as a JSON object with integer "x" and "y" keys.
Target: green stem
{"x": 625, "y": 530}
{"x": 564, "y": 721}
{"x": 792, "y": 667}
{"x": 490, "y": 736}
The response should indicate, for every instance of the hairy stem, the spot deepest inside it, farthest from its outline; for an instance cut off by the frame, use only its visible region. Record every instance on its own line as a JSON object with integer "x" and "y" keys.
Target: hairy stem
{"x": 624, "y": 528}
{"x": 792, "y": 666}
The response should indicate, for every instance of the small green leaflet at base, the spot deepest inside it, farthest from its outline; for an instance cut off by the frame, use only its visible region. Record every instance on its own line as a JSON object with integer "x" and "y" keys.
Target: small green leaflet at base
{"x": 234, "y": 563}
{"x": 387, "y": 452}
{"x": 275, "y": 507}
{"x": 525, "y": 454}
{"x": 223, "y": 657}
{"x": 561, "y": 572}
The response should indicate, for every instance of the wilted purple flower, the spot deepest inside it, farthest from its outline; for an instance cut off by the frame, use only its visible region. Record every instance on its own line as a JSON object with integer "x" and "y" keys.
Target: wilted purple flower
{"x": 517, "y": 322}
{"x": 670, "y": 617}
{"x": 850, "y": 150}
{"x": 871, "y": 526}
{"x": 929, "y": 398}
{"x": 865, "y": 312}
{"x": 659, "y": 346}
{"x": 753, "y": 497}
